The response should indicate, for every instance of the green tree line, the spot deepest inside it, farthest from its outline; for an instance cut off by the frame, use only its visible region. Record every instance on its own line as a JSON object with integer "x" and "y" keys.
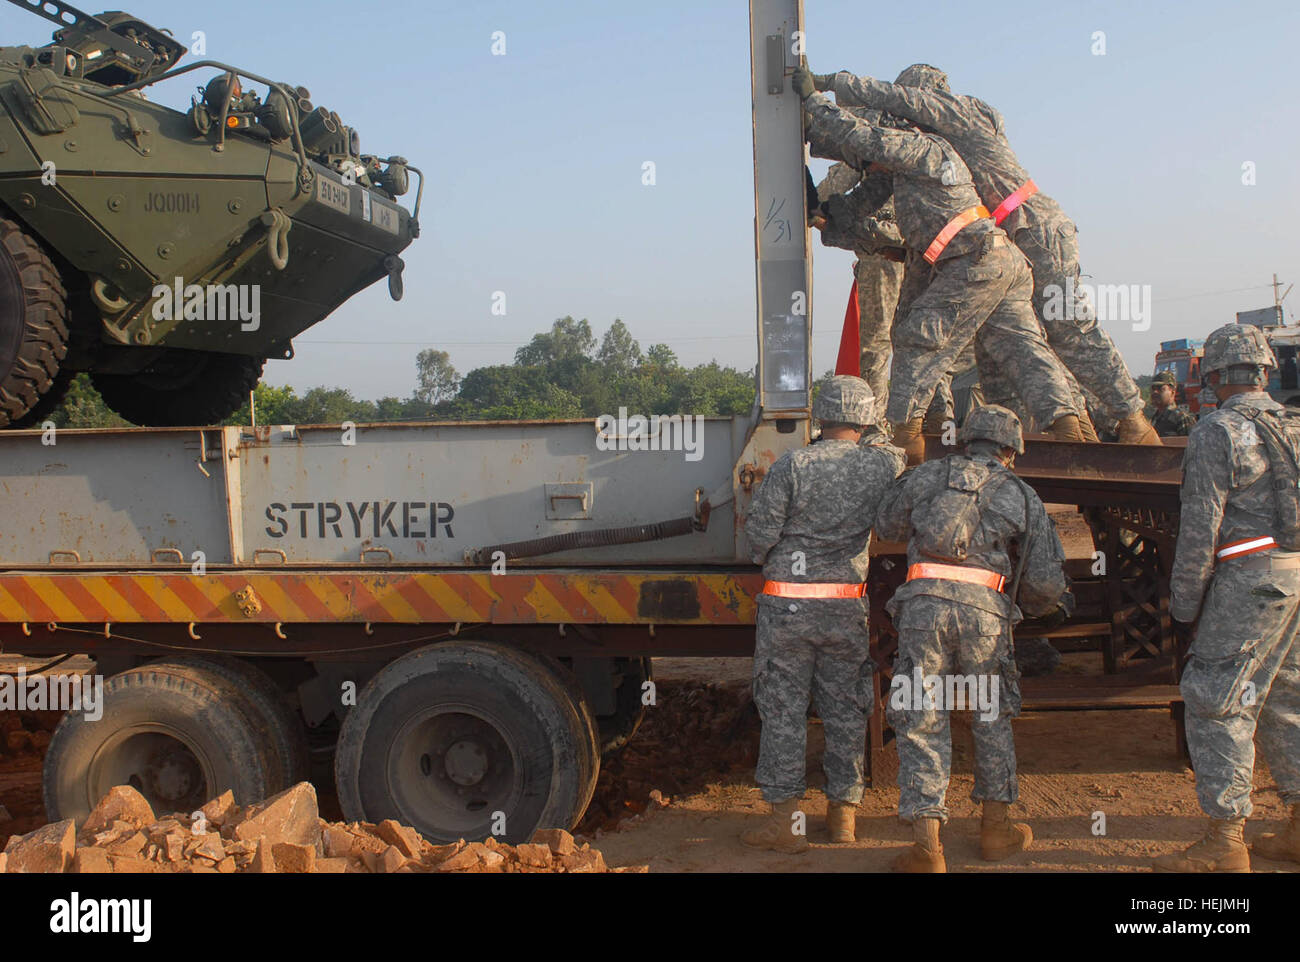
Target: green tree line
{"x": 564, "y": 372}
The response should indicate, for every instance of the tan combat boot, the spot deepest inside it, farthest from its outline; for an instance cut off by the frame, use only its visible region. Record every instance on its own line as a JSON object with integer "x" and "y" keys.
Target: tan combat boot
{"x": 1285, "y": 845}
{"x": 777, "y": 832}
{"x": 999, "y": 836}
{"x": 926, "y": 855}
{"x": 908, "y": 437}
{"x": 1136, "y": 429}
{"x": 1066, "y": 428}
{"x": 1221, "y": 850}
{"x": 841, "y": 821}
{"x": 1089, "y": 430}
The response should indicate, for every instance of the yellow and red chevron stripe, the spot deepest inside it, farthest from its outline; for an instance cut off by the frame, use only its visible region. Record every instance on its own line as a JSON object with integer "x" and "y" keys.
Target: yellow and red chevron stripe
{"x": 538, "y": 597}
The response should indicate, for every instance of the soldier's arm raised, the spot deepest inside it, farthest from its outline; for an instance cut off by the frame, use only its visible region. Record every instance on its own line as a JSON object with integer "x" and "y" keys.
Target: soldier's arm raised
{"x": 1207, "y": 477}
{"x": 769, "y": 510}
{"x": 837, "y": 134}
{"x": 943, "y": 112}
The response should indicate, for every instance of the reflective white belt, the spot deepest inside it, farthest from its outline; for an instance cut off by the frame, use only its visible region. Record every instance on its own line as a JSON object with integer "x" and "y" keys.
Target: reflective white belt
{"x": 1236, "y": 549}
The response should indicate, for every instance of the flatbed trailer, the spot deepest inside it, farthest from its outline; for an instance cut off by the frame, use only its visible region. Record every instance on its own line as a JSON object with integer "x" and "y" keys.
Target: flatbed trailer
{"x": 464, "y": 613}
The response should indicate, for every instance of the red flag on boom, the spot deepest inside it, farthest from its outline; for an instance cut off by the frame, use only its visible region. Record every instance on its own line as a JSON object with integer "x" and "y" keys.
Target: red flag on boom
{"x": 849, "y": 360}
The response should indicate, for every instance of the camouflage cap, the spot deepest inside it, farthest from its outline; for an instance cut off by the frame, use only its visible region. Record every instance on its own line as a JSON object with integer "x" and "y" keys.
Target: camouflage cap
{"x": 1235, "y": 344}
{"x": 993, "y": 423}
{"x": 923, "y": 75}
{"x": 845, "y": 399}
{"x": 1165, "y": 377}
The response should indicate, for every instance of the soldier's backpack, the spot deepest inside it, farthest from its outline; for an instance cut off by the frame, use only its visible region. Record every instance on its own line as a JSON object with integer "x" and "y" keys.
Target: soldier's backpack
{"x": 1280, "y": 433}
{"x": 952, "y": 516}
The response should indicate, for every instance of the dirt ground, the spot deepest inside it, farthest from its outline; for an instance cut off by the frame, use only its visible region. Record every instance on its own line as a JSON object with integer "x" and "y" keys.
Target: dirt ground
{"x": 1122, "y": 764}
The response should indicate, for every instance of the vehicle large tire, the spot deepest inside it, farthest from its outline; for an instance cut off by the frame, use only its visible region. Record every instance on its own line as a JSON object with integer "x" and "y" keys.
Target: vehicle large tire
{"x": 616, "y": 730}
{"x": 33, "y": 323}
{"x": 182, "y": 388}
{"x": 179, "y": 734}
{"x": 278, "y": 723}
{"x": 445, "y": 737}
{"x": 48, "y": 403}
{"x": 589, "y": 758}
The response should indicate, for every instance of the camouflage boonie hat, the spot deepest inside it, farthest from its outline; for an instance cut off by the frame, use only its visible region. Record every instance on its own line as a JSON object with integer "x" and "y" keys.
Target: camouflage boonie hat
{"x": 993, "y": 423}
{"x": 845, "y": 399}
{"x": 1165, "y": 377}
{"x": 923, "y": 75}
{"x": 1235, "y": 344}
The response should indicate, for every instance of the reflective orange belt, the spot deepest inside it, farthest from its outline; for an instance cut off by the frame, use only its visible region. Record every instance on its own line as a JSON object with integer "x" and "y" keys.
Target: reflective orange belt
{"x": 976, "y": 576}
{"x": 1235, "y": 549}
{"x": 791, "y": 589}
{"x": 952, "y": 229}
{"x": 1018, "y": 196}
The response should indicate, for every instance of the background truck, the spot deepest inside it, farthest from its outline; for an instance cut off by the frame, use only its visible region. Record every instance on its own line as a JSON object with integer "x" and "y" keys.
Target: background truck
{"x": 1183, "y": 357}
{"x": 463, "y": 614}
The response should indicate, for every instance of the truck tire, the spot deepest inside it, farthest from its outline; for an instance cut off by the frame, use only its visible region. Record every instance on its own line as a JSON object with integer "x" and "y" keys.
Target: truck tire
{"x": 277, "y": 721}
{"x": 182, "y": 388}
{"x": 589, "y": 760}
{"x": 460, "y": 739}
{"x": 179, "y": 734}
{"x": 616, "y": 730}
{"x": 48, "y": 403}
{"x": 33, "y": 322}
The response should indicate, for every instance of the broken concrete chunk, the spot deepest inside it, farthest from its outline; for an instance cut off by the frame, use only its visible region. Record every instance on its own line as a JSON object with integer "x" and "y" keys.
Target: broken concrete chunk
{"x": 336, "y": 842}
{"x": 405, "y": 838}
{"x": 291, "y": 816}
{"x": 49, "y": 848}
{"x": 91, "y": 861}
{"x": 221, "y": 809}
{"x": 122, "y": 803}
{"x": 210, "y": 847}
{"x": 130, "y": 845}
{"x": 558, "y": 840}
{"x": 533, "y": 854}
{"x": 263, "y": 861}
{"x": 462, "y": 861}
{"x": 294, "y": 859}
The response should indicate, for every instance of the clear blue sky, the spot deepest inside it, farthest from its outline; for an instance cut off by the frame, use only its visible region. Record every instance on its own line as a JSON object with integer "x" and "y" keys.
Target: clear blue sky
{"x": 534, "y": 158}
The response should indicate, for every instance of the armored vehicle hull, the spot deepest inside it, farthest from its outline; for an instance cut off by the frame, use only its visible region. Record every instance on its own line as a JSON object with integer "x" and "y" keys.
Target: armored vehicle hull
{"x": 170, "y": 253}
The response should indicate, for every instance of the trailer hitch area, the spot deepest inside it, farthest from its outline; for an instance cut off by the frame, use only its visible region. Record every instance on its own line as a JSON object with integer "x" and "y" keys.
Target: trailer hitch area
{"x": 249, "y": 603}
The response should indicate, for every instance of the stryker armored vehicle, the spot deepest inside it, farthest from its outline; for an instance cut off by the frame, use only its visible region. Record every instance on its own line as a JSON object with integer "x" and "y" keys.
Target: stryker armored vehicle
{"x": 170, "y": 253}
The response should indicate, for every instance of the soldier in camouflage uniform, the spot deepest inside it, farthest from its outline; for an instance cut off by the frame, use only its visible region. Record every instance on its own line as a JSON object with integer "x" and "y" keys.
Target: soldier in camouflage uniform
{"x": 858, "y": 215}
{"x": 1242, "y": 677}
{"x": 809, "y": 527}
{"x": 1033, "y": 220}
{"x": 960, "y": 517}
{"x": 981, "y": 285}
{"x": 1165, "y": 416}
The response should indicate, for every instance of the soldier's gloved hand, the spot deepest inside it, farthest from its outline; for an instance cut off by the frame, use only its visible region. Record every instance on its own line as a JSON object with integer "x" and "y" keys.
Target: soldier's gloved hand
{"x": 1055, "y": 619}
{"x": 824, "y": 81}
{"x": 1064, "y": 608}
{"x": 802, "y": 81}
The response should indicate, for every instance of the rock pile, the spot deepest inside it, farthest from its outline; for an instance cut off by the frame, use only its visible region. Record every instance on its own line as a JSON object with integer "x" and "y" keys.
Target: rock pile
{"x": 282, "y": 834}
